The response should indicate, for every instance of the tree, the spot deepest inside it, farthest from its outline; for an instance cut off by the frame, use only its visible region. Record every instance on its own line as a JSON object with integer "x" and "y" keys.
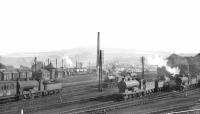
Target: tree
{"x": 10, "y": 67}
{"x": 24, "y": 67}
{"x": 2, "y": 66}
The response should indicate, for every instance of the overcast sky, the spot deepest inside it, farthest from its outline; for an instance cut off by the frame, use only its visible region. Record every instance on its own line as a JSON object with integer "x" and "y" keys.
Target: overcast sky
{"x": 151, "y": 25}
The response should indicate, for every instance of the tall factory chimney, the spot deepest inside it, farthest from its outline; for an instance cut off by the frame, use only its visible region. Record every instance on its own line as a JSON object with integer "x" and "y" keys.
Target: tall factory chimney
{"x": 142, "y": 59}
{"x": 35, "y": 60}
{"x": 98, "y": 57}
{"x": 62, "y": 63}
{"x": 56, "y": 63}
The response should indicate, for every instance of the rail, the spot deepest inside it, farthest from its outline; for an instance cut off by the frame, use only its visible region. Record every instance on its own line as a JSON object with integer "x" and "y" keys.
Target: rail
{"x": 104, "y": 107}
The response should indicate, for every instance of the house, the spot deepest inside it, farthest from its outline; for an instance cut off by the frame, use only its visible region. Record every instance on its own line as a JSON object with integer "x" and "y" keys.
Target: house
{"x": 51, "y": 69}
{"x": 5, "y": 74}
{"x": 42, "y": 74}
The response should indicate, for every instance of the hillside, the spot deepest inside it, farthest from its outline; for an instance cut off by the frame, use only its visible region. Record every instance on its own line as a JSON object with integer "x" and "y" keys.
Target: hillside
{"x": 86, "y": 55}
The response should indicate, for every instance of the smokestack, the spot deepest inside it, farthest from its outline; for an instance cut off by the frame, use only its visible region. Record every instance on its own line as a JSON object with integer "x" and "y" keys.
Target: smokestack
{"x": 56, "y": 63}
{"x": 62, "y": 63}
{"x": 100, "y": 68}
{"x": 35, "y": 63}
{"x": 98, "y": 61}
{"x": 142, "y": 67}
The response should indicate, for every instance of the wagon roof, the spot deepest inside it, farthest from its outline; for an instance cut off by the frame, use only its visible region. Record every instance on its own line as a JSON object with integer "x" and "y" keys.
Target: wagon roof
{"x": 7, "y": 81}
{"x": 5, "y": 71}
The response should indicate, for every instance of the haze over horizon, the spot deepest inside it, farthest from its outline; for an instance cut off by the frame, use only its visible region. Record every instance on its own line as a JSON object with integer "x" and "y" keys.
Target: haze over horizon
{"x": 48, "y": 25}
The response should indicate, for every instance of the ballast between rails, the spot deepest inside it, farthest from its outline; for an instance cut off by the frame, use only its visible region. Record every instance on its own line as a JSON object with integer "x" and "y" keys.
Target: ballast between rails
{"x": 70, "y": 92}
{"x": 57, "y": 104}
{"x": 173, "y": 110}
{"x": 119, "y": 106}
{"x": 123, "y": 104}
{"x": 161, "y": 95}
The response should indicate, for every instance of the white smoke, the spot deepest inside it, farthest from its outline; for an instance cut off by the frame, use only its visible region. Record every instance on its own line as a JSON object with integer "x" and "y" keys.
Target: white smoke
{"x": 161, "y": 62}
{"x": 157, "y": 60}
{"x": 68, "y": 61}
{"x": 174, "y": 71}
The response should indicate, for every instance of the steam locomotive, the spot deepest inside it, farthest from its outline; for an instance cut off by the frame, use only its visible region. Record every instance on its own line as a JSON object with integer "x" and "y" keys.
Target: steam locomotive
{"x": 23, "y": 84}
{"x": 131, "y": 87}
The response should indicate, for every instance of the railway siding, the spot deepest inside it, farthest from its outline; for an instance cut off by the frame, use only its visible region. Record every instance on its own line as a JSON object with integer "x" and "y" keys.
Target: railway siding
{"x": 101, "y": 108}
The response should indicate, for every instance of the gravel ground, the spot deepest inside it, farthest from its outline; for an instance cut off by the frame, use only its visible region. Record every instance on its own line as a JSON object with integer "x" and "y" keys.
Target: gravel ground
{"x": 69, "y": 107}
{"x": 143, "y": 109}
{"x": 154, "y": 106}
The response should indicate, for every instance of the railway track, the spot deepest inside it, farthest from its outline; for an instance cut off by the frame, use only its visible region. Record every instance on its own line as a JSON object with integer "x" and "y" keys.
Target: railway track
{"x": 58, "y": 103}
{"x": 66, "y": 95}
{"x": 177, "y": 109}
{"x": 111, "y": 105}
{"x": 104, "y": 107}
{"x": 49, "y": 103}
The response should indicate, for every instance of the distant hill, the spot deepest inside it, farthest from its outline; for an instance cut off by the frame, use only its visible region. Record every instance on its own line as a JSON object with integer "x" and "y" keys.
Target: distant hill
{"x": 86, "y": 55}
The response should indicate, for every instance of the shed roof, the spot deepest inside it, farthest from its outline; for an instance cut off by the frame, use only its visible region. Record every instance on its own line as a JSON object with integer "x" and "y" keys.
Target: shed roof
{"x": 43, "y": 71}
{"x": 49, "y": 66}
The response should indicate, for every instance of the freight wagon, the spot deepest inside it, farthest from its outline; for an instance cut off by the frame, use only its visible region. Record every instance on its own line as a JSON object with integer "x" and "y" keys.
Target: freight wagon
{"x": 16, "y": 90}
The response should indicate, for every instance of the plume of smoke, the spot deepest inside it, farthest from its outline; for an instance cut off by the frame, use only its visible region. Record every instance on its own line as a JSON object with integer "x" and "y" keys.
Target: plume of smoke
{"x": 68, "y": 61}
{"x": 161, "y": 62}
{"x": 174, "y": 71}
{"x": 157, "y": 60}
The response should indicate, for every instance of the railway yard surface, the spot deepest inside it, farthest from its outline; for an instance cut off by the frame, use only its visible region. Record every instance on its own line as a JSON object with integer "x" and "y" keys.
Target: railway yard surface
{"x": 74, "y": 93}
{"x": 155, "y": 103}
{"x": 83, "y": 97}
{"x": 171, "y": 104}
